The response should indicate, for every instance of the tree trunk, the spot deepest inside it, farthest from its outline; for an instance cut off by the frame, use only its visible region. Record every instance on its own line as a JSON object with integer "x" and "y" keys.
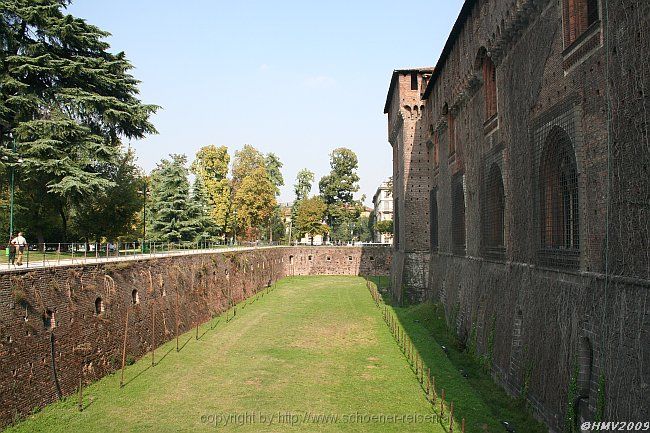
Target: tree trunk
{"x": 64, "y": 223}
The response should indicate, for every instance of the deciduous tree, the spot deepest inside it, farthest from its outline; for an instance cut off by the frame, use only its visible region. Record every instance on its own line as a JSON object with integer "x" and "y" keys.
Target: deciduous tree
{"x": 254, "y": 201}
{"x": 211, "y": 166}
{"x": 310, "y": 214}
{"x": 304, "y": 181}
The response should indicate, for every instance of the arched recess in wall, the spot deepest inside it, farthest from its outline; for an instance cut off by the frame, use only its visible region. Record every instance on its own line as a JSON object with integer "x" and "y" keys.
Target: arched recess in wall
{"x": 494, "y": 214}
{"x": 458, "y": 214}
{"x": 135, "y": 297}
{"x": 558, "y": 202}
{"x": 99, "y": 306}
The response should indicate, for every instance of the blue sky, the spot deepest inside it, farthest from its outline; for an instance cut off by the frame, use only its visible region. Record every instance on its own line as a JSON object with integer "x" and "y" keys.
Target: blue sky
{"x": 296, "y": 78}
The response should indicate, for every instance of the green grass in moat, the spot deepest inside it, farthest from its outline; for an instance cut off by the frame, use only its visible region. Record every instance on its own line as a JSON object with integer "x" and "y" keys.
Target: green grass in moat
{"x": 314, "y": 345}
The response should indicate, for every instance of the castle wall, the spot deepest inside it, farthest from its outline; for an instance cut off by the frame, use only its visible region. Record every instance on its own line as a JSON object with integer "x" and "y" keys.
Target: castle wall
{"x": 51, "y": 322}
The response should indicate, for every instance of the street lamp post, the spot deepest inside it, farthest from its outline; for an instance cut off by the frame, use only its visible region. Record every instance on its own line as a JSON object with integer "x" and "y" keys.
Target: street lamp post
{"x": 11, "y": 193}
{"x": 144, "y": 215}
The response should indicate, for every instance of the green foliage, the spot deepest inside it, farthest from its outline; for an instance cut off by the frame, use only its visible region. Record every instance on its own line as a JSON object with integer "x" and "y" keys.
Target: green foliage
{"x": 362, "y": 230}
{"x": 246, "y": 161}
{"x": 173, "y": 216}
{"x": 211, "y": 166}
{"x": 201, "y": 211}
{"x": 337, "y": 191}
{"x": 384, "y": 227}
{"x": 67, "y": 101}
{"x": 304, "y": 181}
{"x": 342, "y": 182}
{"x": 273, "y": 167}
{"x": 477, "y": 398}
{"x": 114, "y": 211}
{"x": 310, "y": 213}
{"x": 254, "y": 202}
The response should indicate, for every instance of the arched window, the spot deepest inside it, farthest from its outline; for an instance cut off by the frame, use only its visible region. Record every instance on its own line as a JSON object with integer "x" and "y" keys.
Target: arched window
{"x": 99, "y": 306}
{"x": 489, "y": 87}
{"x": 558, "y": 201}
{"x": 433, "y": 215}
{"x": 458, "y": 215}
{"x": 493, "y": 228}
{"x": 135, "y": 297}
{"x": 579, "y": 15}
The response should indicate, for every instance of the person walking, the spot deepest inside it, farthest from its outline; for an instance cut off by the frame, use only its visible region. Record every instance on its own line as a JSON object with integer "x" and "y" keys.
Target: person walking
{"x": 12, "y": 250}
{"x": 20, "y": 243}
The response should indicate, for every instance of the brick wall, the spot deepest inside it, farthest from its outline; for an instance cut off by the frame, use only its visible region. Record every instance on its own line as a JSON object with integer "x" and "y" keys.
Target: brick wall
{"x": 191, "y": 288}
{"x": 534, "y": 314}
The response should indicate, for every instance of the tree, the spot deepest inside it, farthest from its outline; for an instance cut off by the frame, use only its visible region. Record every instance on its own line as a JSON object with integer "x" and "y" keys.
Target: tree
{"x": 211, "y": 166}
{"x": 173, "y": 219}
{"x": 246, "y": 161}
{"x": 310, "y": 214}
{"x": 304, "y": 181}
{"x": 201, "y": 211}
{"x": 273, "y": 167}
{"x": 66, "y": 100}
{"x": 337, "y": 190}
{"x": 254, "y": 202}
{"x": 362, "y": 230}
{"x": 342, "y": 182}
{"x": 113, "y": 212}
{"x": 384, "y": 227}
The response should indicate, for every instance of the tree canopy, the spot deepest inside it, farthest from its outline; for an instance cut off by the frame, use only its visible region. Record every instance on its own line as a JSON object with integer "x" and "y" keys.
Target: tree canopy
{"x": 66, "y": 102}
{"x": 254, "y": 201}
{"x": 310, "y": 214}
{"x": 173, "y": 216}
{"x": 304, "y": 181}
{"x": 211, "y": 167}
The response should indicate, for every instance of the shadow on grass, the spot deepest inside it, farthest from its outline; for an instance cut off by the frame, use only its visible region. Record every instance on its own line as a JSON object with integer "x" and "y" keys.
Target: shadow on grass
{"x": 466, "y": 380}
{"x": 165, "y": 355}
{"x": 141, "y": 372}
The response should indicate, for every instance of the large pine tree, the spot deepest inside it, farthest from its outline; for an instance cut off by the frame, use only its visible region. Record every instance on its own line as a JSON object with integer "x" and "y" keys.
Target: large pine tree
{"x": 65, "y": 100}
{"x": 173, "y": 217}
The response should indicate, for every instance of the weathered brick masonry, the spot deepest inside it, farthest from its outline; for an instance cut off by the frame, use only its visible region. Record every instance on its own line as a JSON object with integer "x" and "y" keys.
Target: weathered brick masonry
{"x": 532, "y": 134}
{"x": 70, "y": 320}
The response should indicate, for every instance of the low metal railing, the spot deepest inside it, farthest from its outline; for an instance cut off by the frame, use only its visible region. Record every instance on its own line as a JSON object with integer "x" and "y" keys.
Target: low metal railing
{"x": 56, "y": 254}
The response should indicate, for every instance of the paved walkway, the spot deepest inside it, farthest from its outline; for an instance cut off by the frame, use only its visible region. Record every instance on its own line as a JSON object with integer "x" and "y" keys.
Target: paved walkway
{"x": 38, "y": 260}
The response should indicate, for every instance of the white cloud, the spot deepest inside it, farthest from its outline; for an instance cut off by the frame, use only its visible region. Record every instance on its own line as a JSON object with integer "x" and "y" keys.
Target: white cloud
{"x": 319, "y": 81}
{"x": 264, "y": 67}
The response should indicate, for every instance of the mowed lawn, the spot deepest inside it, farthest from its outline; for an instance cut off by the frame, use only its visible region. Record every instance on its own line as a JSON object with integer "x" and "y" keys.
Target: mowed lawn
{"x": 314, "y": 347}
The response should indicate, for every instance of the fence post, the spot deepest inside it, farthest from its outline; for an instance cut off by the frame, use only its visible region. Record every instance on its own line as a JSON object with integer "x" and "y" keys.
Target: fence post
{"x": 177, "y": 320}
{"x": 153, "y": 332}
{"x": 451, "y": 418}
{"x": 81, "y": 390}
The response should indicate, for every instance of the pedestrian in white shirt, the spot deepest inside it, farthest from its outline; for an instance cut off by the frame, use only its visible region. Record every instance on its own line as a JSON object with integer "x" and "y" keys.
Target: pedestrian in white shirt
{"x": 20, "y": 242}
